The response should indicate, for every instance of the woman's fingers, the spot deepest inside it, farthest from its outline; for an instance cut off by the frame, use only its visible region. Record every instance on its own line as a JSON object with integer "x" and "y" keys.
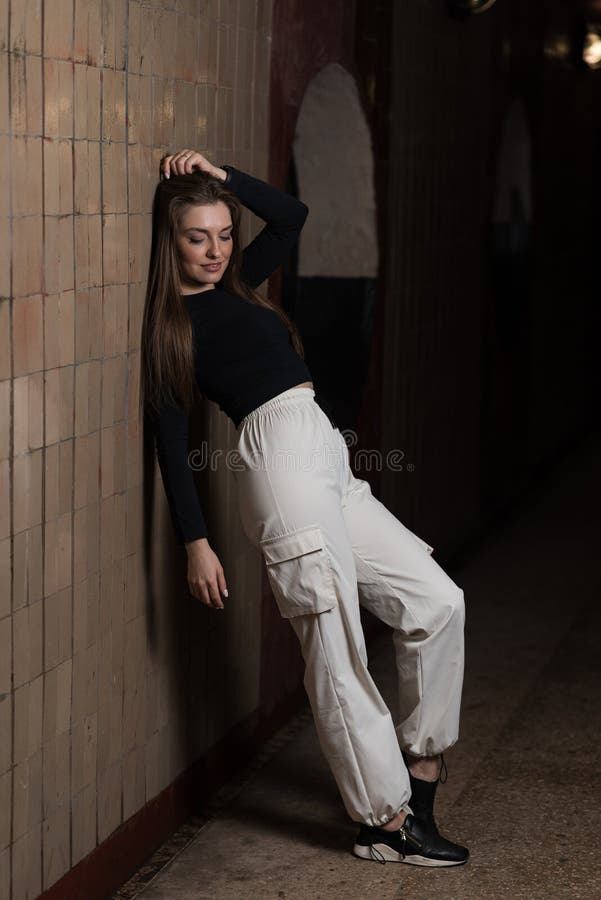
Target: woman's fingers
{"x": 208, "y": 594}
{"x": 183, "y": 163}
{"x": 221, "y": 583}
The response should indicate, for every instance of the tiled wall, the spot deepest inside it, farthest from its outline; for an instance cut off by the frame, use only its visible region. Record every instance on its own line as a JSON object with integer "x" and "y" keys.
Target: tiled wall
{"x": 111, "y": 680}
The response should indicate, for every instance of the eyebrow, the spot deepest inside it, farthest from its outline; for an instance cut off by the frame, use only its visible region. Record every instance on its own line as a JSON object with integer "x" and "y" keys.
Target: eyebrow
{"x": 206, "y": 230}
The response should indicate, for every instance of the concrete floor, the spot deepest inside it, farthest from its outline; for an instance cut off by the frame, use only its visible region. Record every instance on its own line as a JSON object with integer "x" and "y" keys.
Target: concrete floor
{"x": 523, "y": 788}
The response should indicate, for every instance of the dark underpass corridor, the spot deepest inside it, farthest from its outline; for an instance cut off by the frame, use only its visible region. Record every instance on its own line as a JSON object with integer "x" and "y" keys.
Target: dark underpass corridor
{"x": 523, "y": 786}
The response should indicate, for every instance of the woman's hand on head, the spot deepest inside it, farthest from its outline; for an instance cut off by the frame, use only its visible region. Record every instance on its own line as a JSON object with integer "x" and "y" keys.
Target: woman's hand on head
{"x": 206, "y": 579}
{"x": 185, "y": 161}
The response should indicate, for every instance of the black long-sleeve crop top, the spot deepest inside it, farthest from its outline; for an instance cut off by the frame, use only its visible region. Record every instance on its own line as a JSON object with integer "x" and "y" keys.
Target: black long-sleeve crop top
{"x": 243, "y": 352}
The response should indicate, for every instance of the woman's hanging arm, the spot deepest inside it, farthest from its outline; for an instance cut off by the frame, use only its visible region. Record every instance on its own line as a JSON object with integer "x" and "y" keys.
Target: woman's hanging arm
{"x": 171, "y": 442}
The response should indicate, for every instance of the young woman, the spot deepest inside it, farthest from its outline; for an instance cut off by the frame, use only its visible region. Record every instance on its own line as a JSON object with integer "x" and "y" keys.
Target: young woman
{"x": 327, "y": 542}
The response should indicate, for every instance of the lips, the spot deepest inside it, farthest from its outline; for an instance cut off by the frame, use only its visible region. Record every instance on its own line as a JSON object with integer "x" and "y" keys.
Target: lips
{"x": 213, "y": 267}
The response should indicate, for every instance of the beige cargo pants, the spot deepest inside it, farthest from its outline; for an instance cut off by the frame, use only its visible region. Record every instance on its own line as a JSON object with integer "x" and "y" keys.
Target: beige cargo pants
{"x": 330, "y": 545}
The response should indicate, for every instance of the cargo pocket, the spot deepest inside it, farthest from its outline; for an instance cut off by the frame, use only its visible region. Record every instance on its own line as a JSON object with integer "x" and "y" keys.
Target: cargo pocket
{"x": 299, "y": 572}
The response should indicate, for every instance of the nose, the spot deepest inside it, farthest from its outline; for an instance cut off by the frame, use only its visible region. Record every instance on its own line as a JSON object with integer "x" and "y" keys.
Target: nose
{"x": 214, "y": 251}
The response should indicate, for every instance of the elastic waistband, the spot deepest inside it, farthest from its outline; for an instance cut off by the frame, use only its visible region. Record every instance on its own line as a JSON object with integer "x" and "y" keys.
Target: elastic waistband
{"x": 301, "y": 393}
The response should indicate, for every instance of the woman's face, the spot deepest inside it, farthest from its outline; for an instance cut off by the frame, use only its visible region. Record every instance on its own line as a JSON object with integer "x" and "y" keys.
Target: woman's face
{"x": 204, "y": 246}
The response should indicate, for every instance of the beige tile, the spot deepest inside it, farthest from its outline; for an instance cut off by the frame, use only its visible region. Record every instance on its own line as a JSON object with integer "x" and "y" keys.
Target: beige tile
{"x": 85, "y": 683}
{"x": 5, "y": 336}
{"x": 6, "y": 712}
{"x": 243, "y": 121}
{"x": 133, "y": 782}
{"x": 83, "y": 824}
{"x": 88, "y": 24}
{"x": 4, "y": 105}
{"x": 27, "y": 490}
{"x": 28, "y": 568}
{"x": 245, "y": 60}
{"x": 58, "y": 29}
{"x": 139, "y": 247}
{"x": 28, "y": 334}
{"x": 5, "y": 578}
{"x": 85, "y": 612}
{"x": 264, "y": 16}
{"x": 110, "y": 786}
{"x": 83, "y": 753}
{"x": 136, "y": 513}
{"x": 88, "y": 256}
{"x": 56, "y": 773}
{"x": 26, "y": 94}
{"x": 226, "y": 55}
{"x": 87, "y": 462}
{"x": 136, "y": 311}
{"x": 185, "y": 114}
{"x": 27, "y": 256}
{"x": 114, "y": 250}
{"x": 5, "y": 396}
{"x": 113, "y": 105}
{"x": 59, "y": 254}
{"x": 225, "y": 119}
{"x": 5, "y": 288}
{"x": 186, "y": 53}
{"x": 58, "y": 552}
{"x": 114, "y": 33}
{"x": 6, "y": 781}
{"x": 27, "y": 643}
{"x": 26, "y": 27}
{"x": 94, "y": 384}
{"x": 139, "y": 89}
{"x": 6, "y": 144}
{"x": 58, "y": 177}
{"x": 4, "y": 35}
{"x": 28, "y": 413}
{"x": 87, "y": 177}
{"x": 27, "y": 864}
{"x": 28, "y": 719}
{"x": 6, "y": 655}
{"x": 58, "y": 94}
{"x": 112, "y": 529}
{"x": 27, "y": 801}
{"x": 207, "y": 68}
{"x": 57, "y": 701}
{"x": 59, "y": 329}
{"x": 27, "y": 175}
{"x": 59, "y": 404}
{"x": 81, "y": 428}
{"x": 114, "y": 186}
{"x": 87, "y": 100}
{"x": 56, "y": 841}
{"x": 58, "y": 624}
{"x": 163, "y": 112}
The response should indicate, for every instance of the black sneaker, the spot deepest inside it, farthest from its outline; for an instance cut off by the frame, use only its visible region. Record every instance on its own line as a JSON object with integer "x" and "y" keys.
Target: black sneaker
{"x": 413, "y": 843}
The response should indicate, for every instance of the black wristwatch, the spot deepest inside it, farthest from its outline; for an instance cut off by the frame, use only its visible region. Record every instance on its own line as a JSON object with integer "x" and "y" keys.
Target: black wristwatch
{"x": 228, "y": 177}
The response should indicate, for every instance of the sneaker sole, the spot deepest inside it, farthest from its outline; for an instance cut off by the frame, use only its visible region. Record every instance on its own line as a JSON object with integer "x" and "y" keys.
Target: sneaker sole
{"x": 391, "y": 855}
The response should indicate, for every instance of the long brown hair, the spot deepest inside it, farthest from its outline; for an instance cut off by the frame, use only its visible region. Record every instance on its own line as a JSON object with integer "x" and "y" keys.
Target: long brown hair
{"x": 167, "y": 364}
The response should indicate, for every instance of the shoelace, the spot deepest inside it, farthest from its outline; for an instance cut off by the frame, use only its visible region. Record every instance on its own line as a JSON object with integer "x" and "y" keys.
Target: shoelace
{"x": 443, "y": 768}
{"x": 378, "y": 856}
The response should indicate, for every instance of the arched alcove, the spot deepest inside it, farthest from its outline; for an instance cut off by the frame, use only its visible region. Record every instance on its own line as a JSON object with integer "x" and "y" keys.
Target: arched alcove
{"x": 329, "y": 288}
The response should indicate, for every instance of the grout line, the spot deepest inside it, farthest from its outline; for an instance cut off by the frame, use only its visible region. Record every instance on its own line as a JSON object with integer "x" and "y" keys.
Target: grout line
{"x": 43, "y": 498}
{"x": 11, "y": 455}
{"x": 73, "y": 438}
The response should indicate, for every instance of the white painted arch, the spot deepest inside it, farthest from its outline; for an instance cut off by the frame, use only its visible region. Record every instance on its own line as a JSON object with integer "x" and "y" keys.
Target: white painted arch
{"x": 334, "y": 165}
